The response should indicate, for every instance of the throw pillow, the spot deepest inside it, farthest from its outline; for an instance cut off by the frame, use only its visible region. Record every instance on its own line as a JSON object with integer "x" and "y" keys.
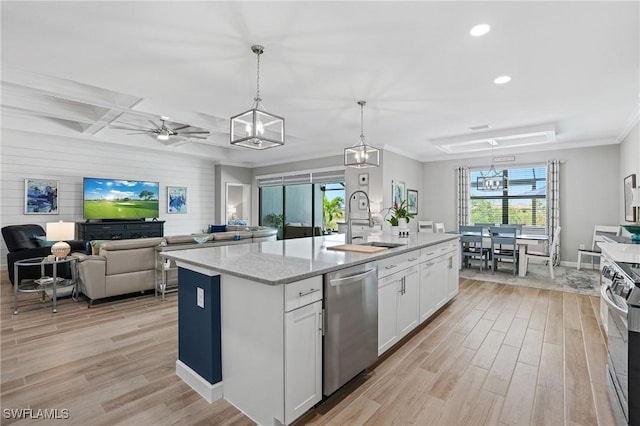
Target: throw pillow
{"x": 43, "y": 242}
{"x": 217, "y": 228}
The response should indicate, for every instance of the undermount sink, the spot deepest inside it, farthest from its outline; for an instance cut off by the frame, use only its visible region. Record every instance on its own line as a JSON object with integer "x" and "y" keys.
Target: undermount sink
{"x": 382, "y": 244}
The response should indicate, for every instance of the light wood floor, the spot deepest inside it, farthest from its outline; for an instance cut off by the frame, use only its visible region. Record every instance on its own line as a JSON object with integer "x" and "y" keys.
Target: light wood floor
{"x": 497, "y": 355}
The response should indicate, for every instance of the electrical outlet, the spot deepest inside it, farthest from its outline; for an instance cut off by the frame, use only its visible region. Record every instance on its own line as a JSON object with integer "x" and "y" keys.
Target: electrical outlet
{"x": 200, "y": 297}
{"x": 581, "y": 246}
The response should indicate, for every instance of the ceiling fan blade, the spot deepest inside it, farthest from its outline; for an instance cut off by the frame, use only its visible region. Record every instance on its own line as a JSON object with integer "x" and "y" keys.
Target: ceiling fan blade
{"x": 139, "y": 133}
{"x": 193, "y": 133}
{"x": 175, "y": 129}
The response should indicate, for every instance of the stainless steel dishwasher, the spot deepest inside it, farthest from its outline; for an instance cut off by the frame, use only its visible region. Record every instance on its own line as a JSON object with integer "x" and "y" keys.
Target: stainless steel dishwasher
{"x": 351, "y": 324}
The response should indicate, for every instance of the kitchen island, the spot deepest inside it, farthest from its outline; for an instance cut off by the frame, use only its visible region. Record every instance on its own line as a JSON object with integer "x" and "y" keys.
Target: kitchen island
{"x": 250, "y": 316}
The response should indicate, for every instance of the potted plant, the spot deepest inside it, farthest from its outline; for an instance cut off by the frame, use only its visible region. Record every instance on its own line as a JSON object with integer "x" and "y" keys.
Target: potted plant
{"x": 399, "y": 214}
{"x": 332, "y": 210}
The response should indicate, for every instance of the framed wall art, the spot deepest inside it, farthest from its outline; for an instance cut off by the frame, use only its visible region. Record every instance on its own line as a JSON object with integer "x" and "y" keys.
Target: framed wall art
{"x": 397, "y": 192}
{"x": 629, "y": 210}
{"x": 41, "y": 196}
{"x": 412, "y": 201}
{"x": 176, "y": 199}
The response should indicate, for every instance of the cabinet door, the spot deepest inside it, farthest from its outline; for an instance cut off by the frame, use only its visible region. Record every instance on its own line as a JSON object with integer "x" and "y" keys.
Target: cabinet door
{"x": 427, "y": 290}
{"x": 388, "y": 293}
{"x": 408, "y": 301}
{"x": 452, "y": 274}
{"x": 440, "y": 280}
{"x": 303, "y": 360}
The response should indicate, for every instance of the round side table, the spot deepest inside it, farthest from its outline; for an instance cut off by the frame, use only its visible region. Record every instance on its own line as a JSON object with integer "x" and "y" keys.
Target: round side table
{"x": 44, "y": 284}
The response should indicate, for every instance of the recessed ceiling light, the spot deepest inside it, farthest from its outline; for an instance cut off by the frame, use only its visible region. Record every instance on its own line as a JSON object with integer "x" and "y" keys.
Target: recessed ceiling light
{"x": 502, "y": 79}
{"x": 480, "y": 30}
{"x": 480, "y": 127}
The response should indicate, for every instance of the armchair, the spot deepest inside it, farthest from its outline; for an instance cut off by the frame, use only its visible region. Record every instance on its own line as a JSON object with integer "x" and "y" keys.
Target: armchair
{"x": 25, "y": 242}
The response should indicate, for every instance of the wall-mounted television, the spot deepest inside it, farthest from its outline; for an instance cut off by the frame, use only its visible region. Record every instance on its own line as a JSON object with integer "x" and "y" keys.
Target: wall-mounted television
{"x": 120, "y": 199}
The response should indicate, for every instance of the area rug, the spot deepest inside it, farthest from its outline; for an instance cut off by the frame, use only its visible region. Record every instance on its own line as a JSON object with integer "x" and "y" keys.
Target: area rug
{"x": 570, "y": 280}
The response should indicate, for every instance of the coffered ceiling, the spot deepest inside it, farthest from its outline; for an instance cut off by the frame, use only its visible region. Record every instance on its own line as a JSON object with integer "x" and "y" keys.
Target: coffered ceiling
{"x": 77, "y": 69}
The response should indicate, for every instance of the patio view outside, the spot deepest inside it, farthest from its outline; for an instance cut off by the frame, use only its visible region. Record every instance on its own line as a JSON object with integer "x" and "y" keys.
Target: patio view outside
{"x": 523, "y": 200}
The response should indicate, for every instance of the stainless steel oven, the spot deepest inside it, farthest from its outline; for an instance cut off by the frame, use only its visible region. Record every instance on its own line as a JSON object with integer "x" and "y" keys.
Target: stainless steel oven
{"x": 621, "y": 295}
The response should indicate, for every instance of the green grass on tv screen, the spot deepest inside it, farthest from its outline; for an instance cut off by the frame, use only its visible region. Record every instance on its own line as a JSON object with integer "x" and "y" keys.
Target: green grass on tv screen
{"x": 130, "y": 209}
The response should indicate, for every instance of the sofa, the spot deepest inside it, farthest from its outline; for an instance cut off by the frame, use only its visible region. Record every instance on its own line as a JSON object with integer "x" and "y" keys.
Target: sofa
{"x": 301, "y": 230}
{"x": 126, "y": 266}
{"x": 225, "y": 235}
{"x": 29, "y": 241}
{"x": 120, "y": 267}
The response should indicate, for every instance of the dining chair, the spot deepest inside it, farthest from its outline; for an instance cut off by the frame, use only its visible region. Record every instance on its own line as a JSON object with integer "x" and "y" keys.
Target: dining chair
{"x": 472, "y": 246}
{"x": 504, "y": 246}
{"x": 550, "y": 256}
{"x": 599, "y": 231}
{"x": 425, "y": 226}
{"x": 439, "y": 228}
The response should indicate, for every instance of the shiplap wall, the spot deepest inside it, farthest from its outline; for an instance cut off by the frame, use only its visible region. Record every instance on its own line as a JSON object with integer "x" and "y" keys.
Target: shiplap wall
{"x": 29, "y": 155}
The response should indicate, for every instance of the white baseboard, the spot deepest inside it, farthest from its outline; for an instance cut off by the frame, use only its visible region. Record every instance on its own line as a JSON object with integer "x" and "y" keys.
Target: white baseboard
{"x": 210, "y": 392}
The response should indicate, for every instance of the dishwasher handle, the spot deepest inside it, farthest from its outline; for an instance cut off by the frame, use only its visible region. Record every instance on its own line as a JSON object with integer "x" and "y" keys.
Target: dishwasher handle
{"x": 351, "y": 278}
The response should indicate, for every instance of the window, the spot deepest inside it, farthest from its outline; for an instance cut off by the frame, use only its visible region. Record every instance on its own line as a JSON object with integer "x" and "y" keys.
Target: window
{"x": 523, "y": 200}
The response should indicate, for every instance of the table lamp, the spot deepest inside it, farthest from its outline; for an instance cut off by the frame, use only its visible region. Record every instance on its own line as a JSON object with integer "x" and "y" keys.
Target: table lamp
{"x": 59, "y": 231}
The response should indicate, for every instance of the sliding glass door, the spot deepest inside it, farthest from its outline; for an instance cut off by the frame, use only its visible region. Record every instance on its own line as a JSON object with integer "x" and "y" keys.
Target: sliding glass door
{"x": 301, "y": 209}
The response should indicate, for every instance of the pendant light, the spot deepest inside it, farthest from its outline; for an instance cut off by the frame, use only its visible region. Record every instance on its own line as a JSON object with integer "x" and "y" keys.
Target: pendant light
{"x": 361, "y": 155}
{"x": 257, "y": 129}
{"x": 493, "y": 180}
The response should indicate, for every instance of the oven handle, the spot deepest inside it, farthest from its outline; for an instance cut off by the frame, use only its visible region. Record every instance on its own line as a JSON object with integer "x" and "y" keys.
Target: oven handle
{"x": 609, "y": 302}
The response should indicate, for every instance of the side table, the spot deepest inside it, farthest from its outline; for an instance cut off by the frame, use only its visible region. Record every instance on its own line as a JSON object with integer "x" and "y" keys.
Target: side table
{"x": 44, "y": 284}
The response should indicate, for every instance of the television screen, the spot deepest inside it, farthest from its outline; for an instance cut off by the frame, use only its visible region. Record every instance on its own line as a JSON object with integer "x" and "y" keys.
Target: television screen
{"x": 120, "y": 199}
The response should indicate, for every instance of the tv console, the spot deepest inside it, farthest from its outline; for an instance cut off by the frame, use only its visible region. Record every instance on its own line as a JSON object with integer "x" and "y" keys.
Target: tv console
{"x": 119, "y": 230}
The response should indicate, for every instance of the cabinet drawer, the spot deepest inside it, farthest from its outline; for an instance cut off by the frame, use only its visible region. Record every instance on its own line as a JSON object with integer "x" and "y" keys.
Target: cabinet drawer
{"x": 302, "y": 293}
{"x": 398, "y": 263}
{"x": 431, "y": 252}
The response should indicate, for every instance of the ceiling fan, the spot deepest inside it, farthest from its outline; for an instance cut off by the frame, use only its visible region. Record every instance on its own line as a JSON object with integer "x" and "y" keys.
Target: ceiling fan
{"x": 162, "y": 132}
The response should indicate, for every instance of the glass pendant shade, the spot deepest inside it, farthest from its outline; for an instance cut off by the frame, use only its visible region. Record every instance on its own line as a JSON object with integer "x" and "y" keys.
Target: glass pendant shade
{"x": 257, "y": 129}
{"x": 361, "y": 155}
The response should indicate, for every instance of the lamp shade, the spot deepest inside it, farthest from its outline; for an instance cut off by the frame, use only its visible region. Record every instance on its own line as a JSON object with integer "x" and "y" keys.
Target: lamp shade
{"x": 59, "y": 231}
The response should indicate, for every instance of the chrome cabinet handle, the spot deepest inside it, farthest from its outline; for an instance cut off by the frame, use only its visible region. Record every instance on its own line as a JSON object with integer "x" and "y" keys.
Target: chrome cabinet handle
{"x": 390, "y": 266}
{"x": 313, "y": 290}
{"x": 413, "y": 259}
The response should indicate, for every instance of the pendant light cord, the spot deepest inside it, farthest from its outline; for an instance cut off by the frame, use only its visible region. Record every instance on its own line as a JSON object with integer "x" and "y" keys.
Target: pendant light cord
{"x": 257, "y": 98}
{"x": 362, "y": 104}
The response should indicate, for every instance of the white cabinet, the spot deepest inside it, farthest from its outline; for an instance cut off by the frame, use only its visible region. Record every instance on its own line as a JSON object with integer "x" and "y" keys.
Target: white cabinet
{"x": 408, "y": 301}
{"x": 453, "y": 259}
{"x": 438, "y": 277}
{"x": 272, "y": 347}
{"x": 433, "y": 294}
{"x": 302, "y": 360}
{"x": 388, "y": 289}
{"x": 398, "y": 298}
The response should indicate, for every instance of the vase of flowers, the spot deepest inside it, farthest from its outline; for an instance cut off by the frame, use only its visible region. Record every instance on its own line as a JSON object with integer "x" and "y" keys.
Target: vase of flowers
{"x": 400, "y": 216}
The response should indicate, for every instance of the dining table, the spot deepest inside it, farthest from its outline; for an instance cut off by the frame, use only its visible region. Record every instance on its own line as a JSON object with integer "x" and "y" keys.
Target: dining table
{"x": 523, "y": 241}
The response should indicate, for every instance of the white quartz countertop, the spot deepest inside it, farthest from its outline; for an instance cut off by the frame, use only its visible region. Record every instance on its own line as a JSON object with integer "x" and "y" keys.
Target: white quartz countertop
{"x": 285, "y": 261}
{"x": 621, "y": 252}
